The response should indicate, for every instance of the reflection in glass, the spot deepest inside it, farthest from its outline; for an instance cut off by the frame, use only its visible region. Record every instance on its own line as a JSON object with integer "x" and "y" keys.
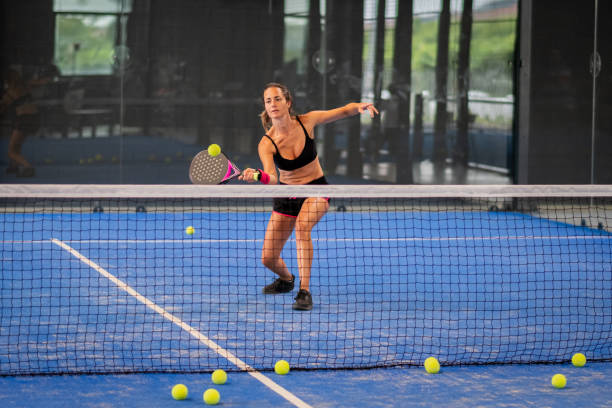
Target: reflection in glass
{"x": 146, "y": 85}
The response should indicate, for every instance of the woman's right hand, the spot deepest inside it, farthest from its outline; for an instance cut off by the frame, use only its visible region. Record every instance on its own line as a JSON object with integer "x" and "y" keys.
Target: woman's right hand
{"x": 248, "y": 175}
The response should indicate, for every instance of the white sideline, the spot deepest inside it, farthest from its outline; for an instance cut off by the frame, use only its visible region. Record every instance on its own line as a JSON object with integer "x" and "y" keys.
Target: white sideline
{"x": 406, "y": 239}
{"x": 192, "y": 331}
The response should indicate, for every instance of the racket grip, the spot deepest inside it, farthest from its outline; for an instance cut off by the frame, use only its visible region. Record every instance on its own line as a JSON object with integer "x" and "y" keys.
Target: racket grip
{"x": 261, "y": 176}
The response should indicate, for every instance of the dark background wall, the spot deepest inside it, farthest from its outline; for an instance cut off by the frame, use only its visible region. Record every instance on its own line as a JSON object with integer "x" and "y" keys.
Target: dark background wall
{"x": 197, "y": 67}
{"x": 204, "y": 51}
{"x": 27, "y": 29}
{"x": 603, "y": 111}
{"x": 560, "y": 96}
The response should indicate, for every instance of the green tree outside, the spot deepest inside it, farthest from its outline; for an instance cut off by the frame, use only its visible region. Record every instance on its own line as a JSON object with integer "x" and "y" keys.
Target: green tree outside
{"x": 95, "y": 36}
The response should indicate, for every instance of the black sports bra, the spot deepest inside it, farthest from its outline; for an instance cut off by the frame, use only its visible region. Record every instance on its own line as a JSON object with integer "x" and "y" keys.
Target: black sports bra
{"x": 308, "y": 155}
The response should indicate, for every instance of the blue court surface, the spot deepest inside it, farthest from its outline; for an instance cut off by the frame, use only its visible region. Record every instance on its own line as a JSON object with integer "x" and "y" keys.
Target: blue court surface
{"x": 459, "y": 386}
{"x": 109, "y": 293}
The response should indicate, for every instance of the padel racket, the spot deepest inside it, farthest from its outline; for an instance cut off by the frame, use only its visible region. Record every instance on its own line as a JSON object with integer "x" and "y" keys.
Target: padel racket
{"x": 207, "y": 169}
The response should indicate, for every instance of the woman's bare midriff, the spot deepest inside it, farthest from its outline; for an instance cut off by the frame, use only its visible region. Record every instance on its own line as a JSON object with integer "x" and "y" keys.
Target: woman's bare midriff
{"x": 303, "y": 175}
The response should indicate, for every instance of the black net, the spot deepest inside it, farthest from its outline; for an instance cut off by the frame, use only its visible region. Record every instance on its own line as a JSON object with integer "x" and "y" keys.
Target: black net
{"x": 110, "y": 280}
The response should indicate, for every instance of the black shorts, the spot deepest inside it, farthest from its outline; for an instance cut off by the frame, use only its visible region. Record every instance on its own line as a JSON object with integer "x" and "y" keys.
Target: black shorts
{"x": 291, "y": 206}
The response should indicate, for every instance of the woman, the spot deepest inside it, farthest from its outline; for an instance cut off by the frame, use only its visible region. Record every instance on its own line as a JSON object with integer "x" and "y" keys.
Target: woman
{"x": 289, "y": 145}
{"x": 25, "y": 121}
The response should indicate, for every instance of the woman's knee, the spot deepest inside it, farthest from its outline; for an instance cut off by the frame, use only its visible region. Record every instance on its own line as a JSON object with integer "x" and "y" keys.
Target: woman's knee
{"x": 13, "y": 155}
{"x": 16, "y": 141}
{"x": 268, "y": 259}
{"x": 302, "y": 230}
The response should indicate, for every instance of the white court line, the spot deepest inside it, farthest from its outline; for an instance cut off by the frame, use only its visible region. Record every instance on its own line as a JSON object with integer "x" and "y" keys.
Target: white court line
{"x": 413, "y": 239}
{"x": 189, "y": 329}
{"x": 252, "y": 241}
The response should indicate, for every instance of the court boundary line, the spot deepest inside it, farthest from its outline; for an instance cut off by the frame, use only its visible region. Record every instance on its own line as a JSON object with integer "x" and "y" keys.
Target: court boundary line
{"x": 283, "y": 392}
{"x": 405, "y": 239}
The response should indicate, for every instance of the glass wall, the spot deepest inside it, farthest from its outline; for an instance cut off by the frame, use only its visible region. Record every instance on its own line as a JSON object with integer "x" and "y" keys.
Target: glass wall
{"x": 128, "y": 91}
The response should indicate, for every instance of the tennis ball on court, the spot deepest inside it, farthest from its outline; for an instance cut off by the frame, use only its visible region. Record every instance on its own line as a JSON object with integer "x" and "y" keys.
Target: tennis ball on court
{"x": 189, "y": 230}
{"x": 558, "y": 381}
{"x": 281, "y": 367}
{"x": 179, "y": 392}
{"x": 214, "y": 149}
{"x": 219, "y": 377}
{"x": 432, "y": 366}
{"x": 211, "y": 396}
{"x": 579, "y": 359}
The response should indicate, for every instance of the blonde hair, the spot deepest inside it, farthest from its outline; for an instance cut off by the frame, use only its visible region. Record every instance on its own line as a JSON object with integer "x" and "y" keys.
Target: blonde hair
{"x": 266, "y": 122}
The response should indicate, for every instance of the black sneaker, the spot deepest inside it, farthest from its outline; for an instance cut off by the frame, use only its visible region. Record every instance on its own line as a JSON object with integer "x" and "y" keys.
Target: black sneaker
{"x": 303, "y": 300}
{"x": 279, "y": 286}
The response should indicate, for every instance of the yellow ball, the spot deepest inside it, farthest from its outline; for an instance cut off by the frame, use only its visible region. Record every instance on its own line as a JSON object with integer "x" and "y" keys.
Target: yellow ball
{"x": 214, "y": 149}
{"x": 579, "y": 359}
{"x": 211, "y": 396}
{"x": 219, "y": 377}
{"x": 189, "y": 230}
{"x": 432, "y": 366}
{"x": 558, "y": 381}
{"x": 281, "y": 367}
{"x": 179, "y": 392}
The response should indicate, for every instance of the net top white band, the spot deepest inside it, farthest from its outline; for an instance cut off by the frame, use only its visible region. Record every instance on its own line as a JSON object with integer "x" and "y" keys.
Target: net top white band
{"x": 261, "y": 191}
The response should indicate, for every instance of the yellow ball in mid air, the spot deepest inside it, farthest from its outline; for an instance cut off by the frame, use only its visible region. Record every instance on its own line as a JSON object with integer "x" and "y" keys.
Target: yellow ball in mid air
{"x": 558, "y": 381}
{"x": 579, "y": 359}
{"x": 214, "y": 149}
{"x": 281, "y": 367}
{"x": 211, "y": 396}
{"x": 432, "y": 366}
{"x": 179, "y": 392}
{"x": 219, "y": 377}
{"x": 189, "y": 230}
